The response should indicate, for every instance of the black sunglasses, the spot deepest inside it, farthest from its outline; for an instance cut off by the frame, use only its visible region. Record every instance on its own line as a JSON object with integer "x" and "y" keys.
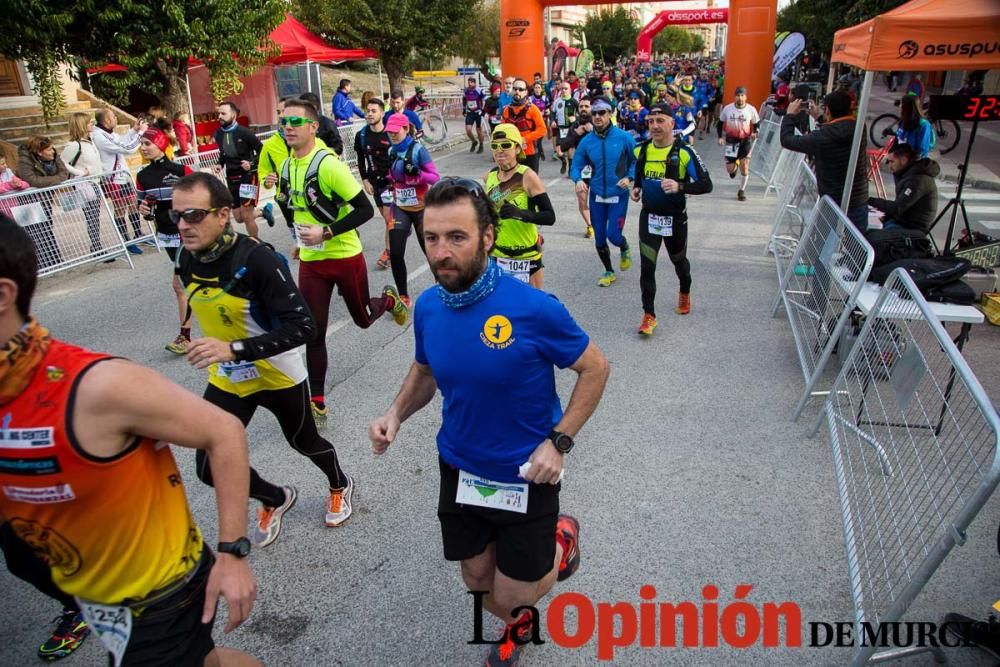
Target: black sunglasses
{"x": 467, "y": 184}
{"x": 192, "y": 216}
{"x": 601, "y": 112}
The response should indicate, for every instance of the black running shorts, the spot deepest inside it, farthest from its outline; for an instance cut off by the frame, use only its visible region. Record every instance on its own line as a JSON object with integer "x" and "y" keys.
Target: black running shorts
{"x": 742, "y": 148}
{"x": 169, "y": 632}
{"x": 525, "y": 543}
{"x": 473, "y": 117}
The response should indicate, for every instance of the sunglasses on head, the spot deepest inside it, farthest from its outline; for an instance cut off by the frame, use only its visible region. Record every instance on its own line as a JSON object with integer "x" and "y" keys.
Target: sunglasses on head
{"x": 193, "y": 216}
{"x": 467, "y": 184}
{"x": 294, "y": 121}
{"x": 502, "y": 145}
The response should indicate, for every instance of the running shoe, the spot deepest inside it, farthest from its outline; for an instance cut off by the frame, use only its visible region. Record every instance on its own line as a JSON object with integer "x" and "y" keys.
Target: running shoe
{"x": 268, "y": 213}
{"x": 383, "y": 261}
{"x": 984, "y": 634}
{"x": 472, "y": 147}
{"x": 319, "y": 410}
{"x": 269, "y": 519}
{"x": 647, "y": 326}
{"x": 562, "y": 165}
{"x": 508, "y": 651}
{"x": 149, "y": 243}
{"x": 480, "y": 150}
{"x": 408, "y": 302}
{"x": 589, "y": 234}
{"x": 134, "y": 249}
{"x": 179, "y": 345}
{"x": 732, "y": 174}
{"x": 607, "y": 279}
{"x": 338, "y": 509}
{"x": 683, "y": 304}
{"x": 741, "y": 196}
{"x": 568, "y": 535}
{"x": 67, "y": 637}
{"x": 399, "y": 311}
{"x": 626, "y": 262}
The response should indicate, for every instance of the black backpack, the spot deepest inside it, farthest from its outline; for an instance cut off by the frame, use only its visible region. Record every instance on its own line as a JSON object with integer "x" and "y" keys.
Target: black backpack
{"x": 935, "y": 277}
{"x": 892, "y": 245}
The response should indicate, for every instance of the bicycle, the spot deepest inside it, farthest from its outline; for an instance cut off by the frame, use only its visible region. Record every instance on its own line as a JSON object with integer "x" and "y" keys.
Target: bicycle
{"x": 948, "y": 132}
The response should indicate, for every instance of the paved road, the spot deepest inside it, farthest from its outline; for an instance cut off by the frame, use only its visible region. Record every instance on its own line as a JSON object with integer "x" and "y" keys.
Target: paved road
{"x": 689, "y": 474}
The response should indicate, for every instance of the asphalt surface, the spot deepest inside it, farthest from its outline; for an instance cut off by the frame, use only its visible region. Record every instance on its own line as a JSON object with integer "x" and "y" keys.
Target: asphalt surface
{"x": 689, "y": 474}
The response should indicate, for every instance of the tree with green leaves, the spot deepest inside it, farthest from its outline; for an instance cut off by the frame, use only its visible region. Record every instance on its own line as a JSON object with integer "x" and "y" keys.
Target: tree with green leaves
{"x": 153, "y": 40}
{"x": 610, "y": 33}
{"x": 818, "y": 20}
{"x": 397, "y": 29}
{"x": 477, "y": 39}
{"x": 672, "y": 40}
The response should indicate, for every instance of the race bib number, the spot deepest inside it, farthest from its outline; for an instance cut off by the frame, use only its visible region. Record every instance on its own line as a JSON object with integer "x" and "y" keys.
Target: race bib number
{"x": 606, "y": 200}
{"x": 248, "y": 191}
{"x": 661, "y": 225}
{"x": 169, "y": 240}
{"x": 519, "y": 268}
{"x": 113, "y": 626}
{"x": 587, "y": 172}
{"x": 471, "y": 105}
{"x": 386, "y": 196}
{"x": 239, "y": 371}
{"x": 482, "y": 492}
{"x": 303, "y": 244}
{"x": 732, "y": 150}
{"x": 563, "y": 132}
{"x": 406, "y": 197}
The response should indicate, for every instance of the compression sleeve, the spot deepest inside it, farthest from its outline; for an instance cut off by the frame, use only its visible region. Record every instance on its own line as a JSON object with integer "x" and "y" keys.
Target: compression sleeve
{"x": 271, "y": 282}
{"x": 361, "y": 212}
{"x": 540, "y": 211}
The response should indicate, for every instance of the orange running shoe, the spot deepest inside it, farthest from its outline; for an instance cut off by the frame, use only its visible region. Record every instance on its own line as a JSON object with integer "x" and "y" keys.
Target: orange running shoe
{"x": 683, "y": 303}
{"x": 647, "y": 326}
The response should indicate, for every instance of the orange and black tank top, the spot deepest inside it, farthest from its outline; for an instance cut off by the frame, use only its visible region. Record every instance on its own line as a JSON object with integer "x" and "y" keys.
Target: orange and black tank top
{"x": 111, "y": 529}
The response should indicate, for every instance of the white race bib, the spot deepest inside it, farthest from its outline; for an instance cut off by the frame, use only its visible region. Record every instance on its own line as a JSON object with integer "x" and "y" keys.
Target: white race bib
{"x": 606, "y": 200}
{"x": 732, "y": 150}
{"x": 248, "y": 191}
{"x": 406, "y": 197}
{"x": 563, "y": 132}
{"x": 482, "y": 492}
{"x": 113, "y": 626}
{"x": 661, "y": 225}
{"x": 303, "y": 244}
{"x": 387, "y": 196}
{"x": 471, "y": 105}
{"x": 519, "y": 268}
{"x": 587, "y": 172}
{"x": 238, "y": 371}
{"x": 169, "y": 240}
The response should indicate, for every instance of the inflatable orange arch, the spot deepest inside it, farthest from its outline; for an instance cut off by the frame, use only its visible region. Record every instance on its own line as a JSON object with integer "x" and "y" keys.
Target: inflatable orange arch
{"x": 749, "y": 48}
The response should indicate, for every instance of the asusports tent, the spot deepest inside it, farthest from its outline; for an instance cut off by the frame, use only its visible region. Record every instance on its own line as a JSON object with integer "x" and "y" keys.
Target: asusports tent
{"x": 922, "y": 35}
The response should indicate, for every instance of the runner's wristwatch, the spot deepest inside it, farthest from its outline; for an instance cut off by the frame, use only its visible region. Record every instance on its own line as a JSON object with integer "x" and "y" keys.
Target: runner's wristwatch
{"x": 240, "y": 548}
{"x": 562, "y": 442}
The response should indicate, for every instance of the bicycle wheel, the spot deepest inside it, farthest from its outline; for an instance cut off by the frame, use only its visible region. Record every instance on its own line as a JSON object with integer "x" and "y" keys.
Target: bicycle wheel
{"x": 435, "y": 130}
{"x": 948, "y": 135}
{"x": 882, "y": 128}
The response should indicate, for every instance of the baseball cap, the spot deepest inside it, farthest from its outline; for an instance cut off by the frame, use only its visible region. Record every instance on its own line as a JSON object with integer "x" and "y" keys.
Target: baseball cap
{"x": 508, "y": 131}
{"x": 661, "y": 107}
{"x": 396, "y": 122}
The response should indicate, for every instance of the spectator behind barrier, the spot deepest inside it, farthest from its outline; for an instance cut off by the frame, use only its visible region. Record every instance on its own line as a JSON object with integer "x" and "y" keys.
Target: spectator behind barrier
{"x": 82, "y": 159}
{"x": 915, "y": 206}
{"x": 38, "y": 164}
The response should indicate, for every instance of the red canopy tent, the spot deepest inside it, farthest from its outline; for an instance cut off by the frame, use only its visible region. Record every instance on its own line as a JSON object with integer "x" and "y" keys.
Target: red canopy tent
{"x": 298, "y": 45}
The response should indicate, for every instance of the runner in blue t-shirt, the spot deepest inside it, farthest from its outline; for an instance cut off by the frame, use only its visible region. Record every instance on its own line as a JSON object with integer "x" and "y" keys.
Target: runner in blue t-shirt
{"x": 491, "y": 343}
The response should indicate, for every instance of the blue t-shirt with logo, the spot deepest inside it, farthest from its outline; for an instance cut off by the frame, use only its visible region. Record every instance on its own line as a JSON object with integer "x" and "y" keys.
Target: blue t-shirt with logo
{"x": 494, "y": 364}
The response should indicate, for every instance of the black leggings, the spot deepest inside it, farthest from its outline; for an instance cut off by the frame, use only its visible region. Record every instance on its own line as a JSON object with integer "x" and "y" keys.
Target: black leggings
{"x": 402, "y": 222}
{"x": 291, "y": 407}
{"x": 649, "y": 248}
{"x": 25, "y": 564}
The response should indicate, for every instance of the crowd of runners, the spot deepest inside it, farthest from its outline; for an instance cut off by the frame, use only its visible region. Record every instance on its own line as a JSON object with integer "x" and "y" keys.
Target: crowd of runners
{"x": 82, "y": 436}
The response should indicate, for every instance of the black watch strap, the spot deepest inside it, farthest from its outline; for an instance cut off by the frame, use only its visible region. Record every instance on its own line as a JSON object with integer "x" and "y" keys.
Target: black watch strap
{"x": 239, "y": 548}
{"x": 563, "y": 443}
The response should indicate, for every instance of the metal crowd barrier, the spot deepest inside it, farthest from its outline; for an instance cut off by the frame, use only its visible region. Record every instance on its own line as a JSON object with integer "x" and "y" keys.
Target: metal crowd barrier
{"x": 79, "y": 221}
{"x": 915, "y": 446}
{"x": 821, "y": 285}
{"x": 766, "y": 153}
{"x": 796, "y": 203}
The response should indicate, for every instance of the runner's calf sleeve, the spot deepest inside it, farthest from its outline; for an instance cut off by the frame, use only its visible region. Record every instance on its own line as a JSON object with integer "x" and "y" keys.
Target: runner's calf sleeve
{"x": 605, "y": 255}
{"x": 744, "y": 181}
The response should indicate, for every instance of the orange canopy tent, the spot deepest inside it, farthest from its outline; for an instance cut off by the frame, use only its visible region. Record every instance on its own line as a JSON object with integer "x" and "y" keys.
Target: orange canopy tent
{"x": 922, "y": 35}
{"x": 925, "y": 35}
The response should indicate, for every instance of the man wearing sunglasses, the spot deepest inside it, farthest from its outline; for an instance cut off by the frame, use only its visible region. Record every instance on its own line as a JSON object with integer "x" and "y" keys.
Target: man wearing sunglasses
{"x": 528, "y": 119}
{"x": 326, "y": 205}
{"x": 565, "y": 151}
{"x": 610, "y": 152}
{"x": 491, "y": 344}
